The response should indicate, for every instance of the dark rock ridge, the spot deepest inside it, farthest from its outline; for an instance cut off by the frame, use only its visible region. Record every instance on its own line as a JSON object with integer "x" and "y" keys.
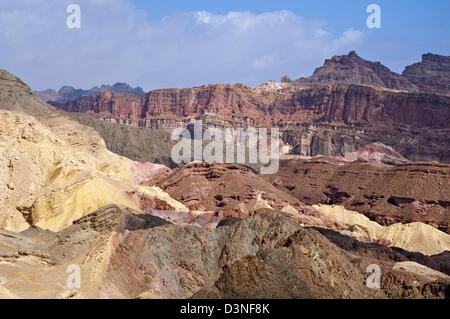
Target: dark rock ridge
{"x": 69, "y": 93}
{"x": 352, "y": 69}
{"x": 432, "y": 74}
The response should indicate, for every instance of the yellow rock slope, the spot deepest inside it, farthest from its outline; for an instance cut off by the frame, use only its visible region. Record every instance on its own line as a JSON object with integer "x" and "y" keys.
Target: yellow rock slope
{"x": 54, "y": 170}
{"x": 416, "y": 236}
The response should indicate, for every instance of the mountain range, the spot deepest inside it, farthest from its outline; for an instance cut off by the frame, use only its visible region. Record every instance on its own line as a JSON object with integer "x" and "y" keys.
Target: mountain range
{"x": 66, "y": 93}
{"x": 362, "y": 182}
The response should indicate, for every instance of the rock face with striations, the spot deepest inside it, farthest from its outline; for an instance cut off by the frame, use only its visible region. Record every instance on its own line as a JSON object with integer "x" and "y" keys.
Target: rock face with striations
{"x": 240, "y": 104}
{"x": 347, "y": 103}
{"x": 432, "y": 74}
{"x": 404, "y": 193}
{"x": 324, "y": 120}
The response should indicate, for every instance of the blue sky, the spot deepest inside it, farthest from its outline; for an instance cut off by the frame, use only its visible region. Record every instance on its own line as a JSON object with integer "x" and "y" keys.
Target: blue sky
{"x": 398, "y": 16}
{"x": 157, "y": 44}
{"x": 409, "y": 28}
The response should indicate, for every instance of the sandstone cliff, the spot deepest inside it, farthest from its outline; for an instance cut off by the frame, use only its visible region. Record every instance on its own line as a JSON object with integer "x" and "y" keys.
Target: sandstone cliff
{"x": 240, "y": 104}
{"x": 347, "y": 103}
{"x": 324, "y": 120}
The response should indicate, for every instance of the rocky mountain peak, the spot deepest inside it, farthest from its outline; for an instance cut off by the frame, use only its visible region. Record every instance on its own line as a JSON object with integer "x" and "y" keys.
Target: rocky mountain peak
{"x": 66, "y": 89}
{"x": 352, "y": 69}
{"x": 342, "y": 59}
{"x": 430, "y": 57}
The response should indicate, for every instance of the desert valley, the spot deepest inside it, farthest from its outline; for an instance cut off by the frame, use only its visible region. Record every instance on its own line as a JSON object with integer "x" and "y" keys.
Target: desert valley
{"x": 87, "y": 179}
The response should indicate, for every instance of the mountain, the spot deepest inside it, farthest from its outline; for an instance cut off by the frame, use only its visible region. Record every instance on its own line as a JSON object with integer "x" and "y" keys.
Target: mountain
{"x": 432, "y": 74}
{"x": 69, "y": 93}
{"x": 352, "y": 69}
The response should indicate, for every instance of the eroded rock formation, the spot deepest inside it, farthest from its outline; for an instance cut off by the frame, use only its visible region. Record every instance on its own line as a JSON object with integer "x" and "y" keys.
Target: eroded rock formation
{"x": 220, "y": 230}
{"x": 405, "y": 193}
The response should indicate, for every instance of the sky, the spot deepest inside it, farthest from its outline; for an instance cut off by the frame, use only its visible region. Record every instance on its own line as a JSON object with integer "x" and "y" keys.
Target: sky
{"x": 178, "y": 43}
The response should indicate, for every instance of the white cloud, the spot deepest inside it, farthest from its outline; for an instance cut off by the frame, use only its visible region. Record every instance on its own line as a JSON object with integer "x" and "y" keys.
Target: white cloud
{"x": 118, "y": 43}
{"x": 349, "y": 37}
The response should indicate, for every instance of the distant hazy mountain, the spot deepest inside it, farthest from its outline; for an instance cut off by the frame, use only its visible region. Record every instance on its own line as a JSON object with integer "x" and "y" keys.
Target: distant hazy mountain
{"x": 70, "y": 93}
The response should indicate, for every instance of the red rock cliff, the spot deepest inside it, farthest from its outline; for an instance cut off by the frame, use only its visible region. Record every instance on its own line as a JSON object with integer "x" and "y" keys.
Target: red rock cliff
{"x": 237, "y": 103}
